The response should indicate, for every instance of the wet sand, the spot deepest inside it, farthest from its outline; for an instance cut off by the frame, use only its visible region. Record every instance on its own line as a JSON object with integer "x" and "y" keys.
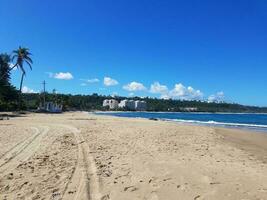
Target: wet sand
{"x": 81, "y": 156}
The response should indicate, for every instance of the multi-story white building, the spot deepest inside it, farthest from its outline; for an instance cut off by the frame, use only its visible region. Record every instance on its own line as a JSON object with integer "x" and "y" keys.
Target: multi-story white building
{"x": 123, "y": 104}
{"x": 140, "y": 105}
{"x": 129, "y": 104}
{"x": 133, "y": 105}
{"x": 111, "y": 103}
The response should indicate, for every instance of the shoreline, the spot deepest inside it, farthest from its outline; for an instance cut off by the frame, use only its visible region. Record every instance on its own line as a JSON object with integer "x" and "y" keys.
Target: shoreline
{"x": 239, "y": 137}
{"x": 177, "y": 112}
{"x": 246, "y": 140}
{"x": 239, "y": 126}
{"x": 243, "y": 127}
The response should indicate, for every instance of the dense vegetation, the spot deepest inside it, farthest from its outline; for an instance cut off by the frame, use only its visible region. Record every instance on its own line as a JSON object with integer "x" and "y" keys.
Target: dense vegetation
{"x": 8, "y": 93}
{"x": 10, "y": 97}
{"x": 94, "y": 102}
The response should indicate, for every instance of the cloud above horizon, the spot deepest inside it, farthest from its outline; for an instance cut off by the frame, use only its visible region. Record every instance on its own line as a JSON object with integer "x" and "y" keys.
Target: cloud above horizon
{"x": 178, "y": 92}
{"x": 89, "y": 81}
{"x": 218, "y": 97}
{"x": 157, "y": 88}
{"x": 93, "y": 80}
{"x": 131, "y": 94}
{"x": 61, "y": 75}
{"x": 110, "y": 82}
{"x": 26, "y": 89}
{"x": 185, "y": 93}
{"x": 134, "y": 86}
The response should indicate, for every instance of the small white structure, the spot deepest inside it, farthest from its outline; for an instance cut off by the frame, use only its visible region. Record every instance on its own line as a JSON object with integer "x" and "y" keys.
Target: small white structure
{"x": 188, "y": 109}
{"x": 51, "y": 107}
{"x": 140, "y": 105}
{"x": 111, "y": 103}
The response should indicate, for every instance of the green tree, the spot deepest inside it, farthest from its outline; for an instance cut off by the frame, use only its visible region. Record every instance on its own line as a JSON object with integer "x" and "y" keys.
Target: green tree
{"x": 22, "y": 55}
{"x": 8, "y": 93}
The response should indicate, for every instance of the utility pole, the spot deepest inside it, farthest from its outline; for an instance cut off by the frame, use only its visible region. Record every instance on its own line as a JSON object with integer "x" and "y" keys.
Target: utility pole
{"x": 44, "y": 83}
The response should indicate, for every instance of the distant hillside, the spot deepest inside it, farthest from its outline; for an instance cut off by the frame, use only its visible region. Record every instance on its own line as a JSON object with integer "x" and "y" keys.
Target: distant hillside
{"x": 94, "y": 102}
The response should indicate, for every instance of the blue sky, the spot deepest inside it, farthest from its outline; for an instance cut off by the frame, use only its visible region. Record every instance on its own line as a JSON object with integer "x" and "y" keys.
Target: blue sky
{"x": 171, "y": 49}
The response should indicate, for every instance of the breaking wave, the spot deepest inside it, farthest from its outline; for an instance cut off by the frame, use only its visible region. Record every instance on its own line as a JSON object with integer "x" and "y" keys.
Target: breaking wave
{"x": 218, "y": 123}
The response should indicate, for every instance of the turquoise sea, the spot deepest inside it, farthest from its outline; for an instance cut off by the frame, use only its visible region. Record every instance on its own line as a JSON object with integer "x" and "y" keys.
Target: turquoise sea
{"x": 256, "y": 122}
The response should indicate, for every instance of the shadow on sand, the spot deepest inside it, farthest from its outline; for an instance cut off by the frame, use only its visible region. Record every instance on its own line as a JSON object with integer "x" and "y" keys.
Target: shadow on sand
{"x": 7, "y": 115}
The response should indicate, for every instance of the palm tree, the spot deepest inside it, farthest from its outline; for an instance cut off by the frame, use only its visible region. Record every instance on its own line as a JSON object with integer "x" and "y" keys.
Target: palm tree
{"x": 22, "y": 55}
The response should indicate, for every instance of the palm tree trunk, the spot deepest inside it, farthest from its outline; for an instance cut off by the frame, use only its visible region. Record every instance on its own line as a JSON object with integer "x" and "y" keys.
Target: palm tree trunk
{"x": 21, "y": 82}
{"x": 20, "y": 89}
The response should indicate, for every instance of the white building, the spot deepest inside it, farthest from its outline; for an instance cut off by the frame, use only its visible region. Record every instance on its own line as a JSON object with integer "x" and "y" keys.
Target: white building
{"x": 189, "y": 109}
{"x": 106, "y": 102}
{"x": 129, "y": 104}
{"x": 140, "y": 105}
{"x": 123, "y": 104}
{"x": 111, "y": 103}
{"x": 133, "y": 105}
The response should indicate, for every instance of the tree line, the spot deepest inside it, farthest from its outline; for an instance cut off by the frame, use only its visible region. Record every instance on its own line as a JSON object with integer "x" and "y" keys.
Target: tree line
{"x": 10, "y": 97}
{"x": 94, "y": 102}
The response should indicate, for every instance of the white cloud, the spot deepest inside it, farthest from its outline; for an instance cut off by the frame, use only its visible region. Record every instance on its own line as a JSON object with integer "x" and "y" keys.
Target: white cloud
{"x": 178, "y": 92}
{"x": 64, "y": 76}
{"x": 165, "y": 96}
{"x": 61, "y": 75}
{"x": 134, "y": 86}
{"x": 88, "y": 81}
{"x": 12, "y": 65}
{"x": 157, "y": 88}
{"x": 185, "y": 93}
{"x": 110, "y": 82}
{"x": 114, "y": 94}
{"x": 218, "y": 97}
{"x": 94, "y": 80}
{"x": 131, "y": 94}
{"x": 25, "y": 89}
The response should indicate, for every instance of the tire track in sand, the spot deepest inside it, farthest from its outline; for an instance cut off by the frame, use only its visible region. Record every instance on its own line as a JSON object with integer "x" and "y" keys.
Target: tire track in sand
{"x": 21, "y": 151}
{"x": 84, "y": 184}
{"x": 17, "y": 146}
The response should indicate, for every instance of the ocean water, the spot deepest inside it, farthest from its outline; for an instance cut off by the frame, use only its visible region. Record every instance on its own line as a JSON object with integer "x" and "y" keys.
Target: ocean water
{"x": 256, "y": 122}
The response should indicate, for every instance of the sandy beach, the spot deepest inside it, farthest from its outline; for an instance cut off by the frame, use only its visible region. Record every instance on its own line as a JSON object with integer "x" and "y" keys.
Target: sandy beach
{"x": 83, "y": 156}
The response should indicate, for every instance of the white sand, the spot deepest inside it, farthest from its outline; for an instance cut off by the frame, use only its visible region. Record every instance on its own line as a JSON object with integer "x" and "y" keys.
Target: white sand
{"x": 80, "y": 156}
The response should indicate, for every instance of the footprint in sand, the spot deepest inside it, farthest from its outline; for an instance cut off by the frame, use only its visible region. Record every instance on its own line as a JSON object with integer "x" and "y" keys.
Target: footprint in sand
{"x": 105, "y": 197}
{"x": 130, "y": 188}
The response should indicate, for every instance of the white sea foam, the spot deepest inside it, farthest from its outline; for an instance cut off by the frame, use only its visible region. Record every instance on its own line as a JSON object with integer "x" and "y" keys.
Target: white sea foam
{"x": 218, "y": 123}
{"x": 260, "y": 127}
